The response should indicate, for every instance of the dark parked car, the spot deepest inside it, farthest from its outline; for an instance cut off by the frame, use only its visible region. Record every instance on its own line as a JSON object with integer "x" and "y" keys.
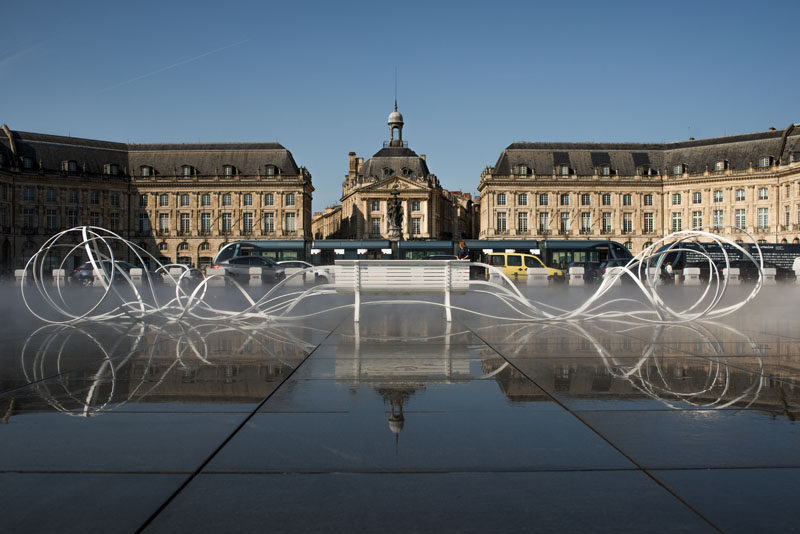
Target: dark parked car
{"x": 84, "y": 274}
{"x": 239, "y": 268}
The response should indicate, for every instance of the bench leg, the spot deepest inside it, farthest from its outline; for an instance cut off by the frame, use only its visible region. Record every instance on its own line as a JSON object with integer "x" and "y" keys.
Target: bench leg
{"x": 357, "y": 311}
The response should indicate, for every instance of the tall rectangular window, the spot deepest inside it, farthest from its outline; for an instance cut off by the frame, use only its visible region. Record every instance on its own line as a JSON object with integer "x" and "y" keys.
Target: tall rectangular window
{"x": 606, "y": 199}
{"x": 697, "y": 197}
{"x": 205, "y": 199}
{"x": 184, "y": 222}
{"x": 184, "y": 199}
{"x": 227, "y": 200}
{"x": 27, "y": 194}
{"x": 739, "y": 218}
{"x": 288, "y": 224}
{"x": 94, "y": 218}
{"x": 763, "y": 218}
{"x": 627, "y": 199}
{"x": 522, "y": 199}
{"x": 28, "y": 218}
{"x": 269, "y": 199}
{"x": 415, "y": 205}
{"x": 627, "y": 222}
{"x": 586, "y": 199}
{"x": 247, "y": 222}
{"x": 586, "y": 222}
{"x": 375, "y": 205}
{"x": 144, "y": 223}
{"x": 52, "y": 196}
{"x": 739, "y": 195}
{"x": 290, "y": 200}
{"x": 501, "y": 199}
{"x": 676, "y": 199}
{"x": 114, "y": 220}
{"x": 787, "y": 217}
{"x": 501, "y": 222}
{"x": 718, "y": 196}
{"x": 51, "y": 219}
{"x": 94, "y": 197}
{"x": 697, "y": 220}
{"x": 163, "y": 200}
{"x": 565, "y": 199}
{"x": 544, "y": 221}
{"x": 163, "y": 222}
{"x": 375, "y": 226}
{"x": 416, "y": 226}
{"x": 225, "y": 222}
{"x": 717, "y": 219}
{"x": 522, "y": 222}
{"x": 677, "y": 222}
{"x": 564, "y": 226}
{"x": 648, "y": 200}
{"x": 763, "y": 194}
{"x": 606, "y": 222}
{"x": 647, "y": 223}
{"x": 543, "y": 199}
{"x": 205, "y": 222}
{"x": 269, "y": 222}
{"x": 72, "y": 218}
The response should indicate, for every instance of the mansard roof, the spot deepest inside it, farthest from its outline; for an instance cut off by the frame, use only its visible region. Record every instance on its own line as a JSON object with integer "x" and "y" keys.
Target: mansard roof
{"x": 210, "y": 158}
{"x": 395, "y": 158}
{"x": 166, "y": 158}
{"x": 625, "y": 158}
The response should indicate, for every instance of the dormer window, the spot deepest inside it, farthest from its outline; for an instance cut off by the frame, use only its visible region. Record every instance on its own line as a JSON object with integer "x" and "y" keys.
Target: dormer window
{"x": 111, "y": 169}
{"x": 145, "y": 171}
{"x": 678, "y": 170}
{"x": 522, "y": 170}
{"x": 387, "y": 171}
{"x": 227, "y": 171}
{"x": 720, "y": 165}
{"x": 272, "y": 170}
{"x": 563, "y": 170}
{"x": 69, "y": 166}
{"x": 765, "y": 161}
{"x": 406, "y": 171}
{"x": 186, "y": 170}
{"x": 605, "y": 170}
{"x": 27, "y": 163}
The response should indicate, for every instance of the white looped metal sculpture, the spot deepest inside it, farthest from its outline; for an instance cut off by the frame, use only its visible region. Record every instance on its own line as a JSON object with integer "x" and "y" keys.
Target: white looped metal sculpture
{"x": 122, "y": 298}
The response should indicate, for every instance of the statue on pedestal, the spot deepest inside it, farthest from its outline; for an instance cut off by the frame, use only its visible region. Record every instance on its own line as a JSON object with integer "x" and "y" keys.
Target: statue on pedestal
{"x": 395, "y": 215}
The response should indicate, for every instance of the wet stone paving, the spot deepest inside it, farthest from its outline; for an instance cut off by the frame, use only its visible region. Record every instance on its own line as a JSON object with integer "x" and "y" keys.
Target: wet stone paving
{"x": 403, "y": 423}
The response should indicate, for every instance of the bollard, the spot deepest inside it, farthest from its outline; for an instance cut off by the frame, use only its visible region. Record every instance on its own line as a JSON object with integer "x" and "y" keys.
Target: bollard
{"x": 97, "y": 277}
{"x": 654, "y": 275}
{"x": 769, "y": 276}
{"x": 615, "y": 274}
{"x": 136, "y": 274}
{"x": 255, "y": 276}
{"x": 691, "y": 276}
{"x": 537, "y": 276}
{"x": 297, "y": 280}
{"x": 59, "y": 276}
{"x": 575, "y": 276}
{"x": 731, "y": 275}
{"x": 18, "y": 274}
{"x": 216, "y": 278}
{"x": 495, "y": 276}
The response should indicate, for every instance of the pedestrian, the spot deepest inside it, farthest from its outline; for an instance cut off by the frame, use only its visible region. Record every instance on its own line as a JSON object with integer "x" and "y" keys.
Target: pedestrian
{"x": 463, "y": 251}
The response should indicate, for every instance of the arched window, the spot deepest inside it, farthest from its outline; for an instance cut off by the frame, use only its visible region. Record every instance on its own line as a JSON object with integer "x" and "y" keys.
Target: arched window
{"x": 162, "y": 246}
{"x": 387, "y": 171}
{"x": 247, "y": 199}
{"x": 205, "y": 200}
{"x": 226, "y": 199}
{"x": 183, "y": 246}
{"x": 205, "y": 245}
{"x": 269, "y": 199}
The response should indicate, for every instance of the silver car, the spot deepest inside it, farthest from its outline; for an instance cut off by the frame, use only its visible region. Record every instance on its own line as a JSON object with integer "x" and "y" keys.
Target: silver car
{"x": 239, "y": 268}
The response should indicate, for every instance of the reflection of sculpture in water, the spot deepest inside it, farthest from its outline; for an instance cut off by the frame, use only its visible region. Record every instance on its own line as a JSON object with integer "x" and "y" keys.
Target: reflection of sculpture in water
{"x": 395, "y": 397}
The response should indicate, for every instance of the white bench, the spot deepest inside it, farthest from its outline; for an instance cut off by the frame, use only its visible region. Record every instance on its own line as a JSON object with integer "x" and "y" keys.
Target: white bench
{"x": 401, "y": 277}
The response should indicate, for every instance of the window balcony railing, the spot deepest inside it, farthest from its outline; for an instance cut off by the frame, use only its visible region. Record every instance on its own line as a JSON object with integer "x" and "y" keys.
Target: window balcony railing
{"x": 586, "y": 231}
{"x": 247, "y": 231}
{"x": 204, "y": 232}
{"x": 544, "y": 231}
{"x": 762, "y": 229}
{"x": 563, "y": 231}
{"x": 162, "y": 232}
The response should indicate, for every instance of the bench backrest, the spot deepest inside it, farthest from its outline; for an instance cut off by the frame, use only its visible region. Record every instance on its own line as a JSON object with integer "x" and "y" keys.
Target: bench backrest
{"x": 401, "y": 276}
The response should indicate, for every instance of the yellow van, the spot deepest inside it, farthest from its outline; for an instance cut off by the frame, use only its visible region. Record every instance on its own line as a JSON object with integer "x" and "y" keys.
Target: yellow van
{"x": 515, "y": 264}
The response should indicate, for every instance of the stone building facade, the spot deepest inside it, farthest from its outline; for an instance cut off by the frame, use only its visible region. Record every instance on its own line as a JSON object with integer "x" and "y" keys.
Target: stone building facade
{"x": 636, "y": 193}
{"x": 429, "y": 211}
{"x": 181, "y": 202}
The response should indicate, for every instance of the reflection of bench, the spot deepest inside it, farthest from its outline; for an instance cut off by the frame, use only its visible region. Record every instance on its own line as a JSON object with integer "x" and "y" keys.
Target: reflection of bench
{"x": 401, "y": 277}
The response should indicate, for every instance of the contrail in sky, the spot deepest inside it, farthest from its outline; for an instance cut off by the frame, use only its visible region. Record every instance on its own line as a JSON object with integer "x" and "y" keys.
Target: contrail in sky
{"x": 162, "y": 69}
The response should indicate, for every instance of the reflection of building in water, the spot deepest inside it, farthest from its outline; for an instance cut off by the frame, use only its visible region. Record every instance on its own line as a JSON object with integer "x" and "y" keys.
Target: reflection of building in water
{"x": 163, "y": 366}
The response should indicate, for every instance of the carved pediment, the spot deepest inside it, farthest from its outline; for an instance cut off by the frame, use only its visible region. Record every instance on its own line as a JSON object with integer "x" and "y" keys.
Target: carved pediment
{"x": 402, "y": 184}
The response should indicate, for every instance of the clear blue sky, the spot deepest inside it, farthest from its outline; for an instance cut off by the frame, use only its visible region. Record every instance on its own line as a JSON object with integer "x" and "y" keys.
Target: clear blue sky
{"x": 473, "y": 77}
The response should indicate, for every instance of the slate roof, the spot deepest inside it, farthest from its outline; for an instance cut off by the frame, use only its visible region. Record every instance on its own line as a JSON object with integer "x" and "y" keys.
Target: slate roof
{"x": 166, "y": 158}
{"x": 395, "y": 158}
{"x": 626, "y": 158}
